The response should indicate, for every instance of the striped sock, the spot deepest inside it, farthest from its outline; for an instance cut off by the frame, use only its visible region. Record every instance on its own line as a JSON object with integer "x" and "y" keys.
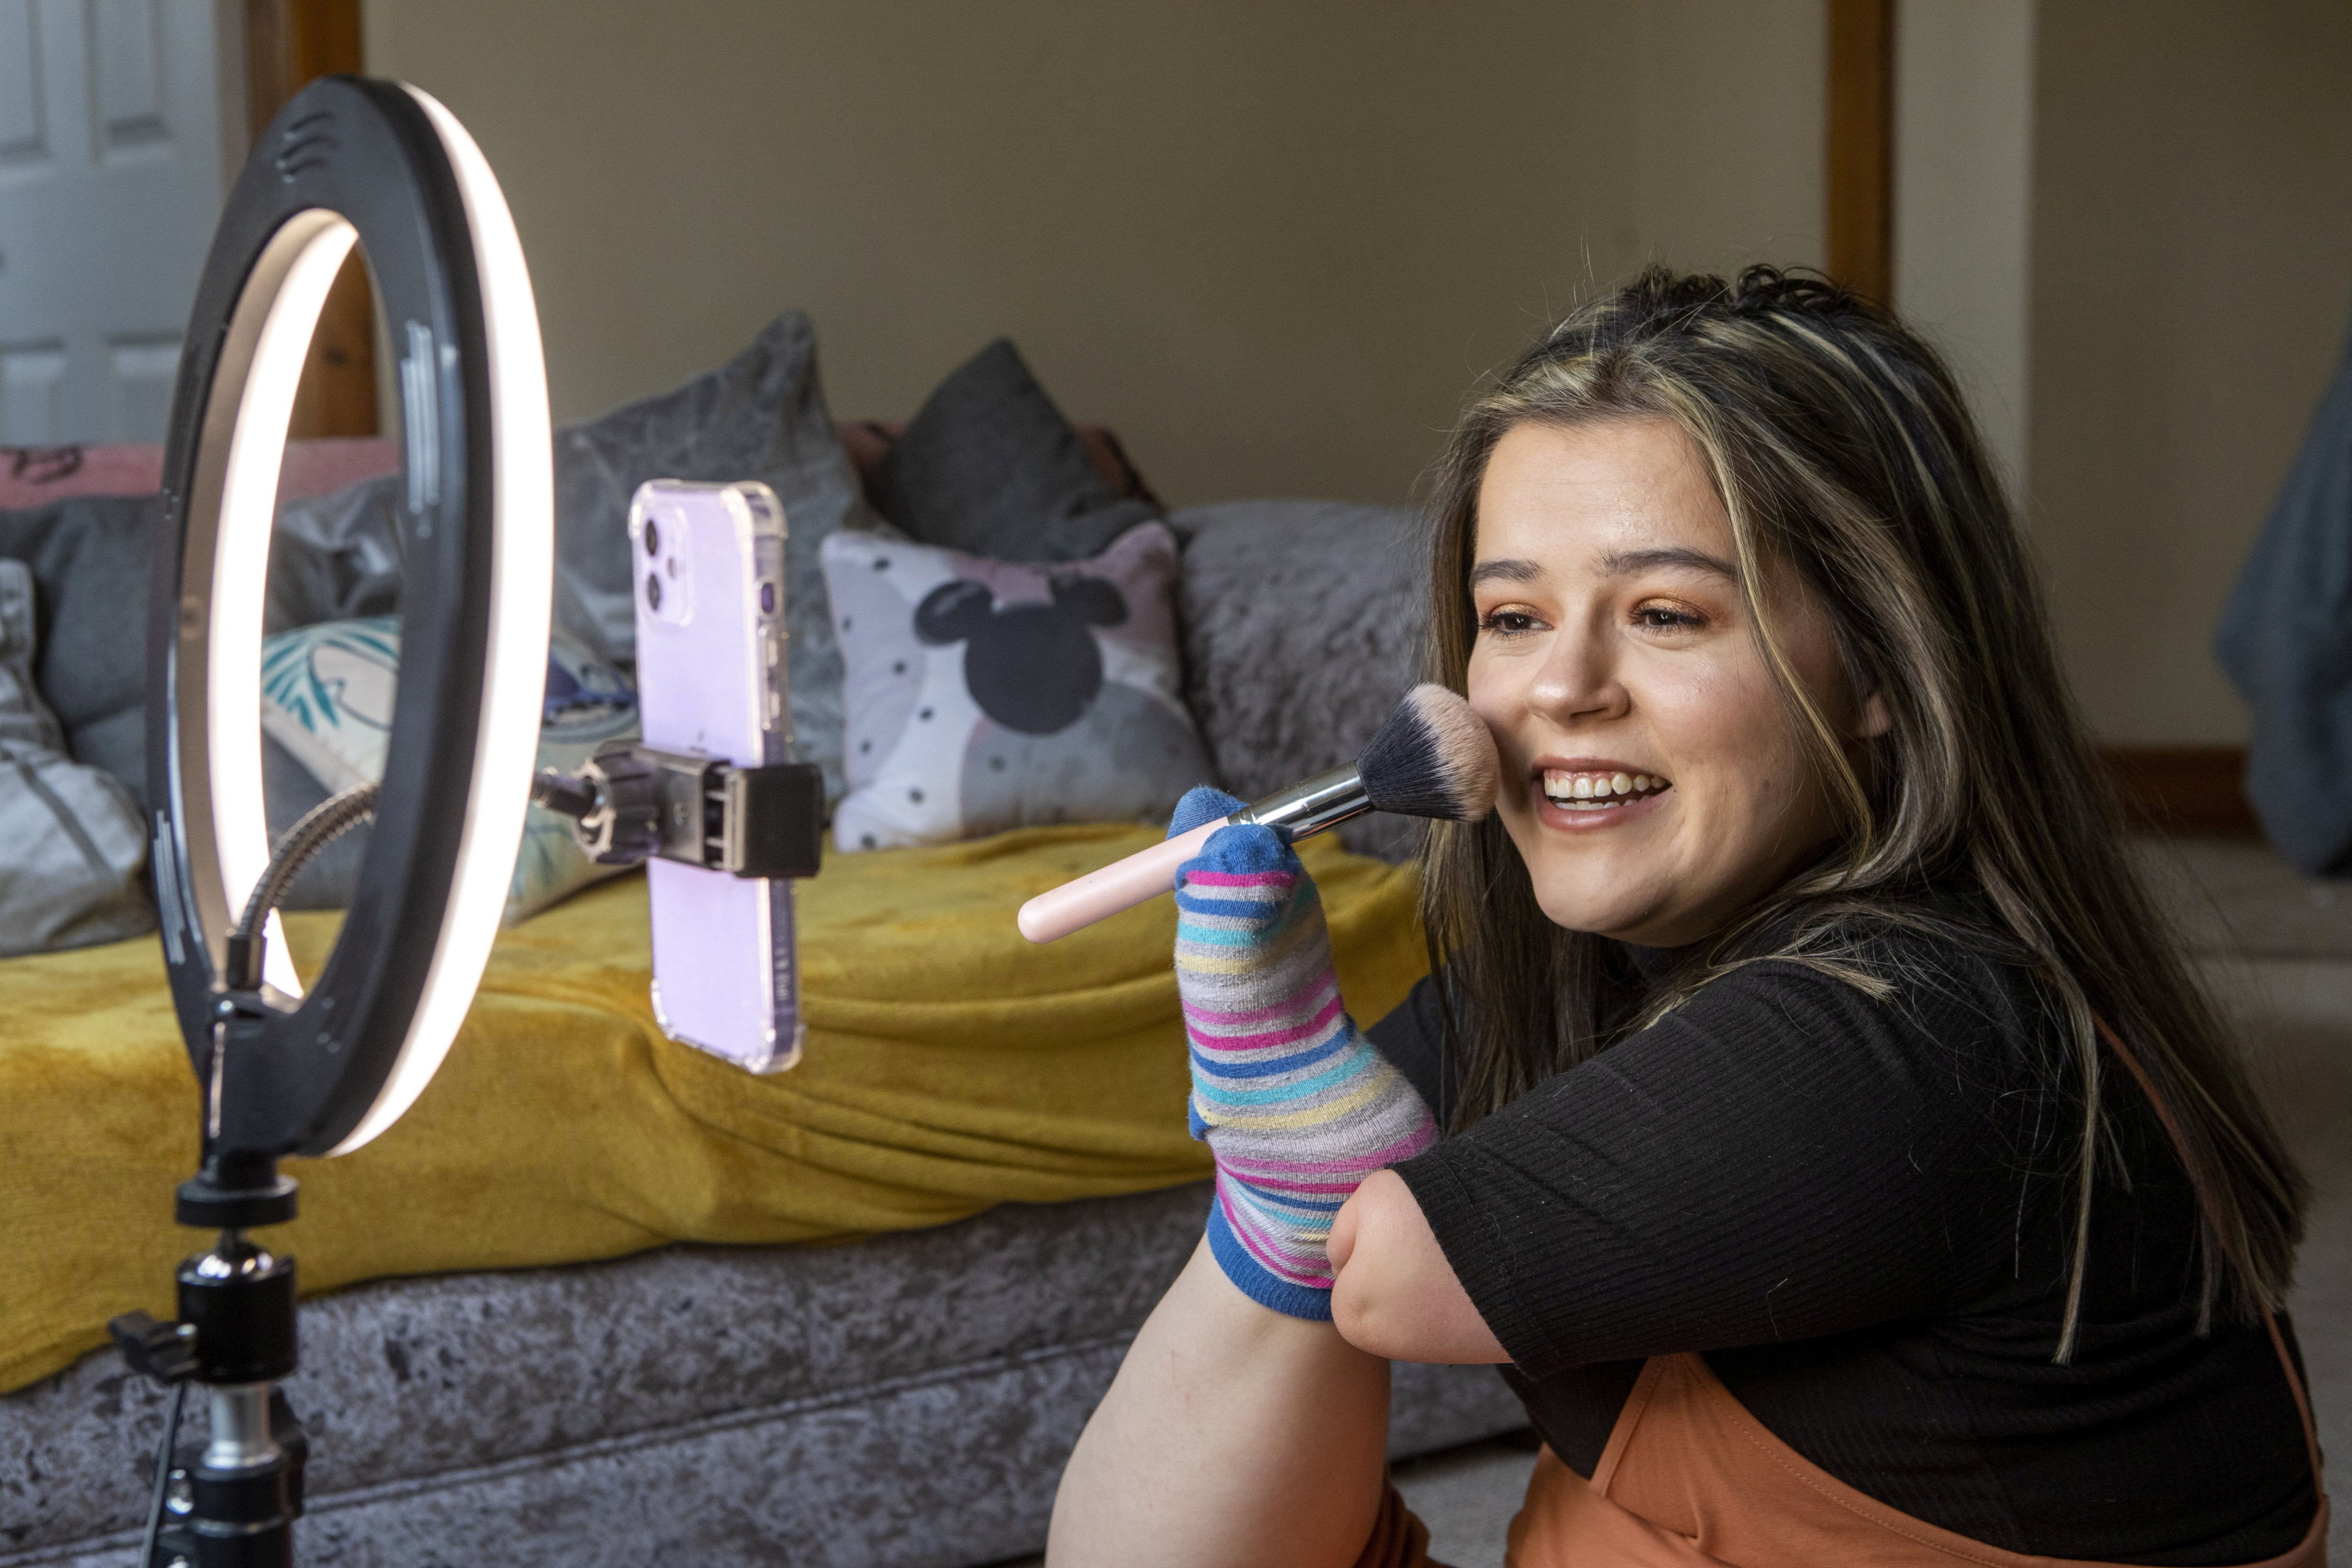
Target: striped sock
{"x": 1297, "y": 1106}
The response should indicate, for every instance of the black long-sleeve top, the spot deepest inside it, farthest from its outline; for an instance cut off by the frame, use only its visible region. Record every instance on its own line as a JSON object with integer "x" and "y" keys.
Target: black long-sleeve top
{"x": 1859, "y": 1210}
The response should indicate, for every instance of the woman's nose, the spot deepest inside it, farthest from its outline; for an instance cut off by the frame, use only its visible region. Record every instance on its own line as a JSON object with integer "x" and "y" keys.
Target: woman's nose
{"x": 1578, "y": 682}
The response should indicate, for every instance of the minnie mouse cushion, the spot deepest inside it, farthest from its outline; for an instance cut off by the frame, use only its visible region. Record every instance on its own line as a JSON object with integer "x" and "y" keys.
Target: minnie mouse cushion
{"x": 984, "y": 695}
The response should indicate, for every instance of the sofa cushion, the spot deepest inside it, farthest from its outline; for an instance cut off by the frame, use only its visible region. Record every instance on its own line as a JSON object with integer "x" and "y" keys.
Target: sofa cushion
{"x": 88, "y": 560}
{"x": 327, "y": 696}
{"x": 73, "y": 874}
{"x": 25, "y": 718}
{"x": 761, "y": 416}
{"x": 985, "y": 694}
{"x": 1302, "y": 631}
{"x": 75, "y": 845}
{"x": 34, "y": 475}
{"x": 988, "y": 465}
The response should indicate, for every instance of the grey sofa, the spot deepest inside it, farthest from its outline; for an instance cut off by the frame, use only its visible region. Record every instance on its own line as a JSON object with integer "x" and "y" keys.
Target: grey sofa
{"x": 907, "y": 1400}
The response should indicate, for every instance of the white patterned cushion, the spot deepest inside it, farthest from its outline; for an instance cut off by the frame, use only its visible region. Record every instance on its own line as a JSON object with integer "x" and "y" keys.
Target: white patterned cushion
{"x": 982, "y": 695}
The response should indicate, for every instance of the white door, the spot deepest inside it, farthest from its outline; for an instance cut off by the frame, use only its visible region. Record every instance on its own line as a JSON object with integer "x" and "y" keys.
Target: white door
{"x": 113, "y": 158}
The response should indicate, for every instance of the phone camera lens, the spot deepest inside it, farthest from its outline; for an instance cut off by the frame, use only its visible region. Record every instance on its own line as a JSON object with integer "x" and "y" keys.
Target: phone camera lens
{"x": 767, "y": 598}
{"x": 653, "y": 537}
{"x": 653, "y": 589}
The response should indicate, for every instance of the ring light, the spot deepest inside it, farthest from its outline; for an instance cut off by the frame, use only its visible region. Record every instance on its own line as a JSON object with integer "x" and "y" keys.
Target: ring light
{"x": 383, "y": 167}
{"x": 348, "y": 162}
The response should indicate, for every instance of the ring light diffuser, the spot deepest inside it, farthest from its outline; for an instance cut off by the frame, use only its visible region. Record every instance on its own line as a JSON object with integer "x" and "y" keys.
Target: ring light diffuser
{"x": 522, "y": 564}
{"x": 348, "y": 161}
{"x": 303, "y": 258}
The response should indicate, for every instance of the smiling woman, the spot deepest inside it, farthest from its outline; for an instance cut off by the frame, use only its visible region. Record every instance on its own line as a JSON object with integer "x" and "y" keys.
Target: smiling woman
{"x": 1609, "y": 610}
{"x": 1771, "y": 1018}
{"x": 1744, "y": 539}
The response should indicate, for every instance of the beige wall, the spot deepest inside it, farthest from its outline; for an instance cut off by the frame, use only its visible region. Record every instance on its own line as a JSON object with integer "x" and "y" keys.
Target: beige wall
{"x": 2193, "y": 274}
{"x": 1272, "y": 245}
{"x": 1963, "y": 202}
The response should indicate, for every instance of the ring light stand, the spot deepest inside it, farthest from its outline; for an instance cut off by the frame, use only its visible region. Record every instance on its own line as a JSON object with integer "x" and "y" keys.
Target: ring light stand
{"x": 282, "y": 1072}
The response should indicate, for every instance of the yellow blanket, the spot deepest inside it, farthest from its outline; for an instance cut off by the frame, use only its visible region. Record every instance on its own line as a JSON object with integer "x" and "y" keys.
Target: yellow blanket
{"x": 951, "y": 1066}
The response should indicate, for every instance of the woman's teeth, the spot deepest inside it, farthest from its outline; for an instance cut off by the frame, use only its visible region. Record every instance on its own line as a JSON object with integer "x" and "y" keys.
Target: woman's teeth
{"x": 1597, "y": 792}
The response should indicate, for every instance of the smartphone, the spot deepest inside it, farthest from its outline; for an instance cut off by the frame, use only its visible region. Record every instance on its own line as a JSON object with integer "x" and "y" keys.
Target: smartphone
{"x": 709, "y": 570}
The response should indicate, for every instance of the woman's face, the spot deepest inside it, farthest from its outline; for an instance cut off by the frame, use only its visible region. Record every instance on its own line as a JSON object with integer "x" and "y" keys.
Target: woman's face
{"x": 1653, "y": 777}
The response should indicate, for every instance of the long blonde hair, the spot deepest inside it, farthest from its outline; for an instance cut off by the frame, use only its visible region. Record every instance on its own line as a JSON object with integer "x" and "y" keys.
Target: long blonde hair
{"x": 1839, "y": 444}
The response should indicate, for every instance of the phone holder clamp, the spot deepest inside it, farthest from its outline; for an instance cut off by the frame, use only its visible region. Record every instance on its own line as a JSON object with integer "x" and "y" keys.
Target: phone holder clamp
{"x": 632, "y": 803}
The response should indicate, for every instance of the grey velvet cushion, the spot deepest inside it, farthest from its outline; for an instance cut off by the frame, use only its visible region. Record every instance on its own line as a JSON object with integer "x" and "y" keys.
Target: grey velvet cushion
{"x": 75, "y": 848}
{"x": 761, "y": 416}
{"x": 25, "y": 718}
{"x": 907, "y": 1401}
{"x": 336, "y": 557}
{"x": 990, "y": 467}
{"x": 1302, "y": 631}
{"x": 89, "y": 563}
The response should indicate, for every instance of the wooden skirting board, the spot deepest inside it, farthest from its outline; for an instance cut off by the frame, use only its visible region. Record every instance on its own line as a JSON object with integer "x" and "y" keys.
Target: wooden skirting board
{"x": 2183, "y": 789}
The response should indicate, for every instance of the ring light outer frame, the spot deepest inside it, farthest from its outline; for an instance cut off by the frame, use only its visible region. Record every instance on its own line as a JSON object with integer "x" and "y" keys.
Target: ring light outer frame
{"x": 322, "y": 1073}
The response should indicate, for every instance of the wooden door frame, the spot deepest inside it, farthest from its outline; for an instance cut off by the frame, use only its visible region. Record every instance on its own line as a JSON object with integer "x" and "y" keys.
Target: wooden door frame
{"x": 2163, "y": 789}
{"x": 288, "y": 42}
{"x": 1860, "y": 162}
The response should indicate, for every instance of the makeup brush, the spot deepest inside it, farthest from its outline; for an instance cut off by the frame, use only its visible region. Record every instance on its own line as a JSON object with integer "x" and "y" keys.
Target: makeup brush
{"x": 1432, "y": 758}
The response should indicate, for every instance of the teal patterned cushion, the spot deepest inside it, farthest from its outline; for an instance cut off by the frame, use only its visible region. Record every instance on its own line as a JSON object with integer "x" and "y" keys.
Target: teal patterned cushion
{"x": 326, "y": 696}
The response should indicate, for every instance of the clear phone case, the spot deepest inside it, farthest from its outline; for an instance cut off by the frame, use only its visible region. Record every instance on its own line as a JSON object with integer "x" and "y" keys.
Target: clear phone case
{"x": 709, "y": 570}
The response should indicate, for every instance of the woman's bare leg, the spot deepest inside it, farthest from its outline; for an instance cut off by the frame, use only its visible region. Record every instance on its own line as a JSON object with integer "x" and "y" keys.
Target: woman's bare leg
{"x": 1233, "y": 1434}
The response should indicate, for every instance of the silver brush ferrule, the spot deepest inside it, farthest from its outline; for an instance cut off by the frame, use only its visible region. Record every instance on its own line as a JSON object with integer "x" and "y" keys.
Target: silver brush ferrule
{"x": 1324, "y": 801}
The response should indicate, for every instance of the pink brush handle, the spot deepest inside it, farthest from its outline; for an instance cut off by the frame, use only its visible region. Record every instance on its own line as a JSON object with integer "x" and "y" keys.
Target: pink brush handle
{"x": 1122, "y": 885}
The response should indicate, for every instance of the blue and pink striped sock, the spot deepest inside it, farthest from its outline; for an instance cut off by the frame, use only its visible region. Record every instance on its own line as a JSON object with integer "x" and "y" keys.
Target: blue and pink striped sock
{"x": 1297, "y": 1106}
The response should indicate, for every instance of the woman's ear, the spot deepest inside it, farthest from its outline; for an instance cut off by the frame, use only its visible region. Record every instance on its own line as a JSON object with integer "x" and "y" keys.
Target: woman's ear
{"x": 1873, "y": 720}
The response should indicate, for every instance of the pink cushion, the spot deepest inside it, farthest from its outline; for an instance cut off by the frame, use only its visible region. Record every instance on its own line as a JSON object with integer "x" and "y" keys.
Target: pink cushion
{"x": 30, "y": 476}
{"x": 314, "y": 468}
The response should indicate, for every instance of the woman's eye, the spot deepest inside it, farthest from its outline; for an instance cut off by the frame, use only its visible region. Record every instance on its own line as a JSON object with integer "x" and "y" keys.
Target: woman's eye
{"x": 1666, "y": 618}
{"x": 1507, "y": 623}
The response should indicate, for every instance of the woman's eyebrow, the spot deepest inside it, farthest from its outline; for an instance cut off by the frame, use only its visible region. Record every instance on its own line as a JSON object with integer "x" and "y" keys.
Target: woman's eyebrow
{"x": 1505, "y": 571}
{"x": 1624, "y": 563}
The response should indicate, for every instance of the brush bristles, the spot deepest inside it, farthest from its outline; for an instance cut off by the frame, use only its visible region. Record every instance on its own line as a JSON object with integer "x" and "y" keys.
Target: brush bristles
{"x": 1432, "y": 758}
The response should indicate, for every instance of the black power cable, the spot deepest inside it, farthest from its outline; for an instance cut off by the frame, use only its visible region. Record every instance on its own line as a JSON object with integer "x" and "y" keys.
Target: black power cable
{"x": 163, "y": 1474}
